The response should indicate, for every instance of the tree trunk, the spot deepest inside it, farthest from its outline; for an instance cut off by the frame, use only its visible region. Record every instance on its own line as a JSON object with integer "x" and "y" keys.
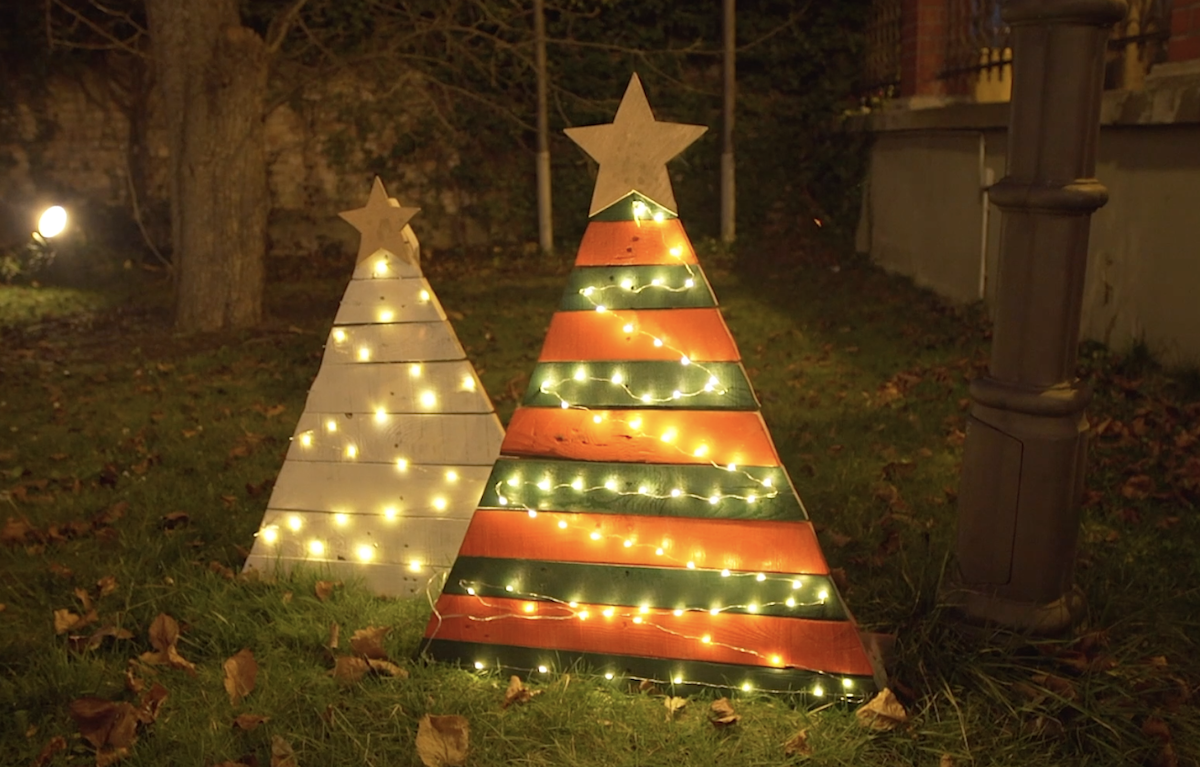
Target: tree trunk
{"x": 213, "y": 76}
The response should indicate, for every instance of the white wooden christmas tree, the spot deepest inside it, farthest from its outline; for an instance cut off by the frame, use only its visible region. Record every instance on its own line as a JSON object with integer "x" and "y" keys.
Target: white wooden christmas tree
{"x": 397, "y": 438}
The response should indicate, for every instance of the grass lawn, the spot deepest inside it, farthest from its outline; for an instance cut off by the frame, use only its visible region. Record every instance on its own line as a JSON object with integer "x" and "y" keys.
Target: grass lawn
{"x": 135, "y": 466}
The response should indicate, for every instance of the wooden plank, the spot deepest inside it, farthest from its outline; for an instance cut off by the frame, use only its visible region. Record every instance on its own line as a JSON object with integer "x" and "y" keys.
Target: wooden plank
{"x": 386, "y": 580}
{"x": 667, "y": 286}
{"x": 698, "y": 334}
{"x": 389, "y": 300}
{"x": 628, "y": 383}
{"x": 396, "y": 387}
{"x": 635, "y": 243}
{"x": 713, "y": 544}
{"x": 641, "y": 436}
{"x": 663, "y": 587}
{"x": 372, "y": 488}
{"x": 409, "y": 542}
{"x": 394, "y": 265}
{"x": 751, "y": 640}
{"x": 361, "y": 438}
{"x": 406, "y": 342}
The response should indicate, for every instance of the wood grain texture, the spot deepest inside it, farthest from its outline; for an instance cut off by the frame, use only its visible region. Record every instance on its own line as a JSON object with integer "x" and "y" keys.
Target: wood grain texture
{"x": 436, "y": 438}
{"x": 396, "y": 388}
{"x": 700, "y": 334}
{"x": 407, "y": 342}
{"x": 370, "y": 488}
{"x": 634, "y": 243}
{"x": 388, "y": 301}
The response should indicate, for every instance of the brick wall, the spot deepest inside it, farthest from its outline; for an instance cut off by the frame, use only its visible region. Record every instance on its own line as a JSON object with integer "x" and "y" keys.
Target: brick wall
{"x": 1185, "y": 31}
{"x": 923, "y": 47}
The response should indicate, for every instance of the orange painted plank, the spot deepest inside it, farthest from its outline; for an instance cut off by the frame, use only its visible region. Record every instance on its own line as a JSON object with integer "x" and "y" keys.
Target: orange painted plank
{"x": 641, "y": 436}
{"x": 635, "y": 243}
{"x": 714, "y": 544}
{"x": 700, "y": 334}
{"x": 749, "y": 640}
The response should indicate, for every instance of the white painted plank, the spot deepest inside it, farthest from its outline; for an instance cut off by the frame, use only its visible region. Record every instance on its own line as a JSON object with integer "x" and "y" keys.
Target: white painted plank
{"x": 372, "y": 488}
{"x": 405, "y": 342}
{"x": 388, "y": 300}
{"x": 402, "y": 541}
{"x": 396, "y": 387}
{"x": 386, "y": 580}
{"x": 420, "y": 439}
{"x": 394, "y": 265}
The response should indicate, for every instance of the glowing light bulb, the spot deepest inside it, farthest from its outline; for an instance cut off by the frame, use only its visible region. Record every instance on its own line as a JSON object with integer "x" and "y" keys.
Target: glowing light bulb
{"x": 715, "y": 611}
{"x": 732, "y": 467}
{"x": 797, "y": 584}
{"x": 628, "y": 543}
{"x": 542, "y": 669}
{"x": 386, "y": 315}
{"x": 608, "y": 675}
{"x": 678, "y": 679}
{"x": 776, "y": 660}
{"x": 677, "y": 613}
{"x": 577, "y": 484}
{"x": 572, "y": 604}
{"x": 647, "y": 399}
{"x": 339, "y": 335}
{"x": 691, "y": 565}
{"x": 414, "y": 370}
{"x": 351, "y": 451}
{"x": 365, "y": 553}
{"x": 767, "y": 482}
{"x": 668, "y": 435}
{"x": 637, "y": 619}
{"x": 509, "y": 587}
{"x": 502, "y": 500}
{"x": 451, "y": 476}
{"x": 847, "y": 683}
{"x": 380, "y": 415}
{"x": 627, "y": 283}
{"x": 611, "y": 485}
{"x": 752, "y": 607}
{"x": 364, "y": 354}
{"x": 295, "y": 523}
{"x": 588, "y": 290}
{"x": 564, "y": 405}
{"x": 676, "y": 492}
{"x": 52, "y": 221}
{"x": 684, "y": 361}
{"x": 608, "y": 612}
{"x": 751, "y": 498}
{"x": 601, "y": 308}
{"x": 428, "y": 398}
{"x": 340, "y": 519}
{"x": 635, "y": 423}
{"x": 658, "y": 342}
{"x": 689, "y": 283}
{"x": 818, "y": 691}
{"x": 597, "y": 418}
{"x": 790, "y": 602}
{"x": 331, "y": 425}
{"x": 714, "y": 499}
{"x": 402, "y": 464}
{"x": 468, "y": 383}
{"x": 628, "y": 328}
{"x": 656, "y": 282}
{"x": 580, "y": 374}
{"x": 381, "y": 267}
{"x": 676, "y": 251}
{"x": 643, "y": 490}
{"x": 306, "y": 439}
{"x": 659, "y": 217}
{"x": 478, "y": 666}
{"x": 532, "y": 513}
{"x": 415, "y": 565}
{"x": 706, "y": 639}
{"x": 617, "y": 378}
{"x": 583, "y": 615}
{"x": 700, "y": 451}
{"x": 562, "y": 524}
{"x": 823, "y": 595}
{"x": 512, "y": 482}
{"x": 316, "y": 548}
{"x": 424, "y": 295}
{"x": 659, "y": 551}
{"x": 389, "y": 512}
{"x": 594, "y": 536}
{"x": 676, "y": 394}
{"x": 724, "y": 573}
{"x": 269, "y": 534}
{"x": 747, "y": 687}
{"x": 544, "y": 484}
{"x": 760, "y": 577}
{"x": 439, "y": 503}
{"x": 529, "y": 607}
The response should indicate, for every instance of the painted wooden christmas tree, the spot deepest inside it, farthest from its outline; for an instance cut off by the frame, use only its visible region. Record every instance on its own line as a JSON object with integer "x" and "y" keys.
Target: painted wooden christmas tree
{"x": 639, "y": 521}
{"x": 397, "y": 437}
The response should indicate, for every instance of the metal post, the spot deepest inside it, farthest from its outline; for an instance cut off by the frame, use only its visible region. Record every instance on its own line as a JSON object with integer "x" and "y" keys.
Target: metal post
{"x": 545, "y": 215}
{"x": 1022, "y": 476}
{"x": 728, "y": 198}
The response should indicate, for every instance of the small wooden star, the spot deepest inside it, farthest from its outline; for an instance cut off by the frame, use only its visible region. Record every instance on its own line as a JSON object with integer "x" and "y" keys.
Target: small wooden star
{"x": 633, "y": 151}
{"x": 381, "y": 222}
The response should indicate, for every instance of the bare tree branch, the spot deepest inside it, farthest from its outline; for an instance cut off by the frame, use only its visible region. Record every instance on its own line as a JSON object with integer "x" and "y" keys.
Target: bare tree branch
{"x": 281, "y": 25}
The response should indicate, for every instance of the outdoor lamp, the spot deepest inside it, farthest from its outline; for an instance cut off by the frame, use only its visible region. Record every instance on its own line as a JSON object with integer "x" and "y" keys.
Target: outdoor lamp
{"x": 52, "y": 221}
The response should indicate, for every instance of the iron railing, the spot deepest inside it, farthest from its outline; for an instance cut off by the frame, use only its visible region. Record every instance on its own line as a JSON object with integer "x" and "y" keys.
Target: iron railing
{"x": 882, "y": 64}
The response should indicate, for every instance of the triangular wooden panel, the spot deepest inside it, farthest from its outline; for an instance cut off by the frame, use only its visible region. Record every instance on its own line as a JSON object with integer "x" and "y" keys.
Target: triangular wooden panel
{"x": 397, "y": 439}
{"x": 639, "y": 521}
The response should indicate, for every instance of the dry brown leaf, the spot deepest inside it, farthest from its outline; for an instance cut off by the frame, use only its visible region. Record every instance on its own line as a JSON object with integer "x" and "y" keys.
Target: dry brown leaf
{"x": 240, "y": 673}
{"x": 99, "y": 635}
{"x": 946, "y": 761}
{"x": 368, "y": 642}
{"x": 52, "y": 747}
{"x": 111, "y": 756}
{"x": 282, "y": 753}
{"x": 64, "y": 621}
{"x": 248, "y": 722}
{"x": 106, "y": 585}
{"x": 164, "y": 633}
{"x": 798, "y": 745}
{"x": 387, "y": 668}
{"x": 105, "y": 723}
{"x": 16, "y": 531}
{"x": 883, "y": 712}
{"x": 325, "y": 589}
{"x": 723, "y": 714}
{"x": 84, "y": 598}
{"x": 673, "y": 706}
{"x": 150, "y": 703}
{"x": 517, "y": 692}
{"x": 442, "y": 741}
{"x": 1057, "y": 685}
{"x": 648, "y": 687}
{"x": 174, "y": 519}
{"x": 349, "y": 669}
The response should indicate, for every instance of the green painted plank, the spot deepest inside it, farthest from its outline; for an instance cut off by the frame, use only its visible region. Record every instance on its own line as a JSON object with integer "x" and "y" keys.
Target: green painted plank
{"x": 640, "y": 488}
{"x": 661, "y": 286}
{"x": 665, "y": 588}
{"x": 628, "y": 670}
{"x": 622, "y": 209}
{"x": 641, "y": 384}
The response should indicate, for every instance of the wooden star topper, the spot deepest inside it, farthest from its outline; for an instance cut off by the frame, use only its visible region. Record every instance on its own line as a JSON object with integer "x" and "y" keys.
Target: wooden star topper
{"x": 633, "y": 151}
{"x": 381, "y": 223}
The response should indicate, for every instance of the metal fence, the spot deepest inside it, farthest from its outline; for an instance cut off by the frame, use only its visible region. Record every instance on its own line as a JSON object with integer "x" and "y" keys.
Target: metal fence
{"x": 882, "y": 65}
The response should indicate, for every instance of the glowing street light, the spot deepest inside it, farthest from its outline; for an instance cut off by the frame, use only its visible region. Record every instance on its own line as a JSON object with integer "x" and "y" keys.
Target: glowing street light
{"x": 52, "y": 221}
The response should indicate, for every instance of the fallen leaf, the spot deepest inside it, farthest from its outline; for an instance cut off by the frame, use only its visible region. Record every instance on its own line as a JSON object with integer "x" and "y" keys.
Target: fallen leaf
{"x": 150, "y": 703}
{"x": 282, "y": 753}
{"x": 99, "y": 635}
{"x": 1057, "y": 685}
{"x": 1138, "y": 487}
{"x": 105, "y": 723}
{"x": 84, "y": 598}
{"x": 325, "y": 589}
{"x": 673, "y": 706}
{"x": 442, "y": 741}
{"x": 164, "y": 633}
{"x": 723, "y": 714}
{"x": 798, "y": 745}
{"x": 52, "y": 747}
{"x": 883, "y": 712}
{"x": 349, "y": 669}
{"x": 517, "y": 692}
{"x": 368, "y": 642}
{"x": 387, "y": 668}
{"x": 16, "y": 531}
{"x": 240, "y": 673}
{"x": 106, "y": 585}
{"x": 648, "y": 687}
{"x": 946, "y": 761}
{"x": 248, "y": 722}
{"x": 64, "y": 621}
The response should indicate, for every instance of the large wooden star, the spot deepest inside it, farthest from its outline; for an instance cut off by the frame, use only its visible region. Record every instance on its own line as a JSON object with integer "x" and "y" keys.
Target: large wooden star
{"x": 381, "y": 222}
{"x": 633, "y": 151}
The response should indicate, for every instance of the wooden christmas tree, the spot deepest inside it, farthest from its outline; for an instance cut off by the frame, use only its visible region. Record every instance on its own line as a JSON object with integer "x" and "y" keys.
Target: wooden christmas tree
{"x": 639, "y": 521}
{"x": 397, "y": 436}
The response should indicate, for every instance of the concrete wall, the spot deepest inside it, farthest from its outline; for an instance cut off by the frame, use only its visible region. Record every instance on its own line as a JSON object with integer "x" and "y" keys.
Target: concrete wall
{"x": 923, "y": 217}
